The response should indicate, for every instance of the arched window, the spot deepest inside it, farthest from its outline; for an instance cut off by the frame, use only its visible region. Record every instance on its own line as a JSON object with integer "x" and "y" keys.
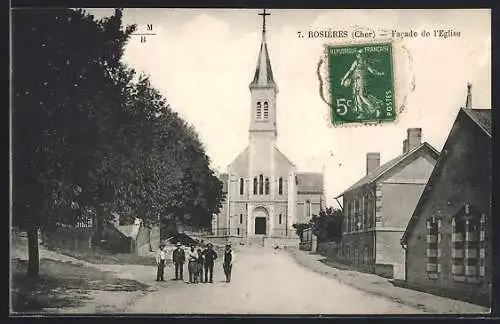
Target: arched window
{"x": 259, "y": 111}
{"x": 261, "y": 184}
{"x": 242, "y": 186}
{"x": 255, "y": 185}
{"x": 267, "y": 186}
{"x": 308, "y": 209}
{"x": 280, "y": 186}
{"x": 266, "y": 110}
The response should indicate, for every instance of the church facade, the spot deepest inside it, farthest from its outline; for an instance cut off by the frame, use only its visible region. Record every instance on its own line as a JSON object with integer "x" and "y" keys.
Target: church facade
{"x": 265, "y": 195}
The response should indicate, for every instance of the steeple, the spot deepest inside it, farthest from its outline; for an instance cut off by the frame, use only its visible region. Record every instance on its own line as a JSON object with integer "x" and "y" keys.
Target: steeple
{"x": 263, "y": 77}
{"x": 263, "y": 91}
{"x": 468, "y": 101}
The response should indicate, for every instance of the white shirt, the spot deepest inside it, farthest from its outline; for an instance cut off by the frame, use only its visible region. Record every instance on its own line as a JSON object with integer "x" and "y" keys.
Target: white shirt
{"x": 160, "y": 256}
{"x": 192, "y": 256}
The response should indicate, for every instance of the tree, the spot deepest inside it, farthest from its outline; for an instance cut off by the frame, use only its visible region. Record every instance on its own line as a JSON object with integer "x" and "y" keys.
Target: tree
{"x": 66, "y": 87}
{"x": 300, "y": 227}
{"x": 328, "y": 224}
{"x": 90, "y": 136}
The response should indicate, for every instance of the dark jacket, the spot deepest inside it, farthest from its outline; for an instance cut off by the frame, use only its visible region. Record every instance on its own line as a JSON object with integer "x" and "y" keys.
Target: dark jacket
{"x": 228, "y": 256}
{"x": 179, "y": 256}
{"x": 210, "y": 256}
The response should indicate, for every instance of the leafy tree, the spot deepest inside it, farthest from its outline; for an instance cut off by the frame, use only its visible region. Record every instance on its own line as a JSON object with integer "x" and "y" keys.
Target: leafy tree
{"x": 328, "y": 225}
{"x": 65, "y": 66}
{"x": 90, "y": 136}
{"x": 300, "y": 227}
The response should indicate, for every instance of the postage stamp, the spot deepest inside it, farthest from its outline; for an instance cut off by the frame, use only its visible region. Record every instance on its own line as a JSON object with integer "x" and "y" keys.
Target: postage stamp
{"x": 361, "y": 83}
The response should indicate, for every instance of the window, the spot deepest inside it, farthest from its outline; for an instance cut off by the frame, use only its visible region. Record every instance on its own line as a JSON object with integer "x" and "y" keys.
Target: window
{"x": 241, "y": 218}
{"x": 308, "y": 209}
{"x": 279, "y": 219}
{"x": 366, "y": 211}
{"x": 242, "y": 186}
{"x": 433, "y": 253}
{"x": 267, "y": 186}
{"x": 356, "y": 215}
{"x": 258, "y": 115}
{"x": 280, "y": 186}
{"x": 266, "y": 110}
{"x": 468, "y": 243}
{"x": 348, "y": 223}
{"x": 261, "y": 184}
{"x": 255, "y": 185}
{"x": 238, "y": 231}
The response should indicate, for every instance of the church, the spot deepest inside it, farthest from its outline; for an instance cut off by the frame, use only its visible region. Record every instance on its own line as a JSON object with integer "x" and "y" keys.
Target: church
{"x": 265, "y": 195}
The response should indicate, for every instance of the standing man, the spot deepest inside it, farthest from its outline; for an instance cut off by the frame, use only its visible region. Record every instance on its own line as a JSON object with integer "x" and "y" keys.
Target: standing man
{"x": 160, "y": 262}
{"x": 228, "y": 262}
{"x": 192, "y": 264}
{"x": 179, "y": 257}
{"x": 210, "y": 256}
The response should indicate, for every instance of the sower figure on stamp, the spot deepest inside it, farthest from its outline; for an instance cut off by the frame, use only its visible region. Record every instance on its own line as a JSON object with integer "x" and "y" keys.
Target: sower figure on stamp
{"x": 179, "y": 257}
{"x": 160, "y": 262}
{"x": 192, "y": 264}
{"x": 210, "y": 257}
{"x": 365, "y": 103}
{"x": 228, "y": 262}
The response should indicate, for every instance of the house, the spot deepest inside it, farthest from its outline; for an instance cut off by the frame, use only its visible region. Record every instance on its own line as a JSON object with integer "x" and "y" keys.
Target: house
{"x": 378, "y": 206}
{"x": 131, "y": 238}
{"x": 447, "y": 240}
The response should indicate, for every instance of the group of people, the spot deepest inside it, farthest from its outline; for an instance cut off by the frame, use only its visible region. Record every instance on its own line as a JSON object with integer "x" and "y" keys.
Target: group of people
{"x": 199, "y": 262}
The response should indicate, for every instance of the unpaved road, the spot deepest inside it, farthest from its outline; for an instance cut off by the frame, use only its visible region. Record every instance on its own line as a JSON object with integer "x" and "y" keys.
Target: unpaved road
{"x": 265, "y": 281}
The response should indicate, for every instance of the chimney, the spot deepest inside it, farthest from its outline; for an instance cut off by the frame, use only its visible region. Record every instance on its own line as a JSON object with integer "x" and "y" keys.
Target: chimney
{"x": 414, "y": 138}
{"x": 372, "y": 161}
{"x": 405, "y": 146}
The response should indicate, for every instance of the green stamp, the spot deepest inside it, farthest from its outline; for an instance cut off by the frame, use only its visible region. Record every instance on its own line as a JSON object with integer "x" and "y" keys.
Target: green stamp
{"x": 361, "y": 83}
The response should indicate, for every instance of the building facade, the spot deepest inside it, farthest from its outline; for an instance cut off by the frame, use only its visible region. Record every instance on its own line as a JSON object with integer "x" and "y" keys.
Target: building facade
{"x": 377, "y": 207}
{"x": 447, "y": 241}
{"x": 265, "y": 195}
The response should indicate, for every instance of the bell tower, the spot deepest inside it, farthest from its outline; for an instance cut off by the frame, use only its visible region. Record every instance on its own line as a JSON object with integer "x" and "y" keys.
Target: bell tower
{"x": 263, "y": 92}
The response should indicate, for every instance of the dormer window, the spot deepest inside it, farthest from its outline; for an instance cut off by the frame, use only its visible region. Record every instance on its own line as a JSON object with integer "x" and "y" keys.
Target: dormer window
{"x": 266, "y": 110}
{"x": 259, "y": 110}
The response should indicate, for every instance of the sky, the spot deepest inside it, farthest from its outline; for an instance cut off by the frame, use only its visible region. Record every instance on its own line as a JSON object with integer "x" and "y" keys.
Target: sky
{"x": 203, "y": 60}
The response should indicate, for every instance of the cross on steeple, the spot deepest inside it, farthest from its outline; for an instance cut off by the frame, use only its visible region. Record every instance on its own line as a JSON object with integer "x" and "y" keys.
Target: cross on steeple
{"x": 264, "y": 14}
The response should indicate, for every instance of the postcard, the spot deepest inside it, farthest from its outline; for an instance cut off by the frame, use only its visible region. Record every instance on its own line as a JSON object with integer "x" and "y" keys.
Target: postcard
{"x": 225, "y": 161}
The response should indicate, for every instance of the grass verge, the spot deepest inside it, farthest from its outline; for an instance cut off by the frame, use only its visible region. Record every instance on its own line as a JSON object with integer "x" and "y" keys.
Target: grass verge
{"x": 61, "y": 285}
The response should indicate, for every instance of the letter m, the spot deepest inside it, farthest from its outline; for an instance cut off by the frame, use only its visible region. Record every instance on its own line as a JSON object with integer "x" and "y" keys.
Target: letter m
{"x": 149, "y": 27}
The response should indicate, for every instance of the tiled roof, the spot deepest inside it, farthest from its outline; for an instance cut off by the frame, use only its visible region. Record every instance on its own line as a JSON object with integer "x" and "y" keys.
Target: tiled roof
{"x": 309, "y": 182}
{"x": 381, "y": 170}
{"x": 263, "y": 73}
{"x": 482, "y": 117}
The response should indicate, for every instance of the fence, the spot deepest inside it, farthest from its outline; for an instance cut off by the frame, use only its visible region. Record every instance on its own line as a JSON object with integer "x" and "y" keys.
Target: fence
{"x": 242, "y": 232}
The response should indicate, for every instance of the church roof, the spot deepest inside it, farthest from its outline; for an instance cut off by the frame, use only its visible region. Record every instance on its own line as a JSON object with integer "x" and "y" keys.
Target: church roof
{"x": 263, "y": 76}
{"x": 384, "y": 168}
{"x": 309, "y": 182}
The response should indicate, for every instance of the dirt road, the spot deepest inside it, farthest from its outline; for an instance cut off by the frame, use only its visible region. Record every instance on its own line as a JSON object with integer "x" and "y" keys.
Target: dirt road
{"x": 265, "y": 281}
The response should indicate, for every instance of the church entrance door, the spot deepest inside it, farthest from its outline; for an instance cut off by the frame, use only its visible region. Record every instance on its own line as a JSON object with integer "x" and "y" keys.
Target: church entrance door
{"x": 260, "y": 225}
